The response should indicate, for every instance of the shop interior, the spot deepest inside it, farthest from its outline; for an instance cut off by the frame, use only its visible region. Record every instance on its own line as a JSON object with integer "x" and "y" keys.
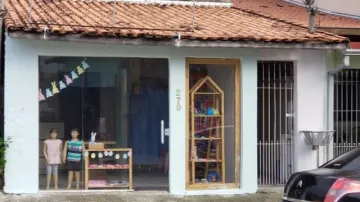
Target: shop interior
{"x": 212, "y": 125}
{"x": 116, "y": 106}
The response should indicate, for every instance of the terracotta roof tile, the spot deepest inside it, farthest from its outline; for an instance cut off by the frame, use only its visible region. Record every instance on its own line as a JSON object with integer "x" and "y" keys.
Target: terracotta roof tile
{"x": 99, "y": 18}
{"x": 295, "y": 13}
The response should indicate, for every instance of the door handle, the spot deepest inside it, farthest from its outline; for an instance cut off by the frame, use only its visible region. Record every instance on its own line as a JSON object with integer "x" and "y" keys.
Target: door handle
{"x": 162, "y": 131}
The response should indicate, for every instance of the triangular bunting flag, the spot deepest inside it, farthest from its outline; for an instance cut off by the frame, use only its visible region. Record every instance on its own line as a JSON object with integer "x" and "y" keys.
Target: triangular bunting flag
{"x": 74, "y": 75}
{"x": 67, "y": 80}
{"x": 48, "y": 93}
{"x": 41, "y": 95}
{"x": 62, "y": 85}
{"x": 54, "y": 88}
{"x": 84, "y": 65}
{"x": 79, "y": 70}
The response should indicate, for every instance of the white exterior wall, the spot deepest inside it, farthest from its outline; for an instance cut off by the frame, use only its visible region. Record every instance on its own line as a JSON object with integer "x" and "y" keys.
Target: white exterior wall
{"x": 309, "y": 95}
{"x": 21, "y": 105}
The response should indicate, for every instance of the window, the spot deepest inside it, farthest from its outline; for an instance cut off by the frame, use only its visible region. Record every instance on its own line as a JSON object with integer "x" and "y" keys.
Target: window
{"x": 111, "y": 97}
{"x": 347, "y": 161}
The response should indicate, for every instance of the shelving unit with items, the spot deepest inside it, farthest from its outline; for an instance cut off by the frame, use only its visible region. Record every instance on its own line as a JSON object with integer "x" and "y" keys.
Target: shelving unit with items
{"x": 102, "y": 167}
{"x": 206, "y": 140}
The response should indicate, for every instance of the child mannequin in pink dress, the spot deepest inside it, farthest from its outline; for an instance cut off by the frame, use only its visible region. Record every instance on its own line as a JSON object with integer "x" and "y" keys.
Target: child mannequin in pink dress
{"x": 52, "y": 153}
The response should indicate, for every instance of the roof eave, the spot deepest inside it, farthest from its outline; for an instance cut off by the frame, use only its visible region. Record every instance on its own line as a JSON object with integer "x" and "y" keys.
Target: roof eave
{"x": 178, "y": 43}
{"x": 342, "y": 31}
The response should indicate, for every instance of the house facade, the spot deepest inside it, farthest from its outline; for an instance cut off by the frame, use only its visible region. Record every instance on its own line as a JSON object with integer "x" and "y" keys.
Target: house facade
{"x": 176, "y": 95}
{"x": 338, "y": 18}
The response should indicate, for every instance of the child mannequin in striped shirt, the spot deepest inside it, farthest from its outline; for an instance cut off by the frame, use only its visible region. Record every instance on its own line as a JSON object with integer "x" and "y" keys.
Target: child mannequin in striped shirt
{"x": 73, "y": 150}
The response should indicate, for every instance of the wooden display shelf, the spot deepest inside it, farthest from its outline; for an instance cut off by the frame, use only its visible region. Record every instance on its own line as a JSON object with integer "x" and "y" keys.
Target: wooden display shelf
{"x": 108, "y": 168}
{"x": 204, "y": 148}
{"x": 206, "y": 161}
{"x": 114, "y": 150}
{"x": 207, "y": 138}
{"x": 207, "y": 93}
{"x": 194, "y": 93}
{"x": 205, "y": 115}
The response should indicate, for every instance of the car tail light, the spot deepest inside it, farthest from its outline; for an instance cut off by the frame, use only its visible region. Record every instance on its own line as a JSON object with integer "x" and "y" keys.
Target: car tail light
{"x": 340, "y": 188}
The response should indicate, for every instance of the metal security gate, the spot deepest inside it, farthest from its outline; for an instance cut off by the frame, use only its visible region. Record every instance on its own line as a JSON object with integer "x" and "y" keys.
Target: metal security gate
{"x": 346, "y": 111}
{"x": 275, "y": 121}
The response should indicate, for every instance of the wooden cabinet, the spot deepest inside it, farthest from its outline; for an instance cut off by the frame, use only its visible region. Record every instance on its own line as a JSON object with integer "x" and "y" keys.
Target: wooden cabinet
{"x": 99, "y": 161}
{"x": 206, "y": 139}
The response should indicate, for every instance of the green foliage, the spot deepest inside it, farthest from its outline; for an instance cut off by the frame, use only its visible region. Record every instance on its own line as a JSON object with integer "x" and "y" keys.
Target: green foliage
{"x": 3, "y": 146}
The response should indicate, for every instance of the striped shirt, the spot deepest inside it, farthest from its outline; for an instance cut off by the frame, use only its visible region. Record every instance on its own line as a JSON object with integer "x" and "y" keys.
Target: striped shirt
{"x": 74, "y": 150}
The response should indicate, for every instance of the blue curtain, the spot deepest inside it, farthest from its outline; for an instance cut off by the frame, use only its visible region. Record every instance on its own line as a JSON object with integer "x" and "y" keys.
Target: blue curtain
{"x": 147, "y": 109}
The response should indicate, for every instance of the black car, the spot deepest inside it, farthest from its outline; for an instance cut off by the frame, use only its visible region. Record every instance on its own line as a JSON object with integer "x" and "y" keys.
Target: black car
{"x": 336, "y": 181}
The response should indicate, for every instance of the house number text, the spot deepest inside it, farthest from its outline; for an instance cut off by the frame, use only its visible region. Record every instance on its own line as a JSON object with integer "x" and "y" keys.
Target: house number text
{"x": 178, "y": 97}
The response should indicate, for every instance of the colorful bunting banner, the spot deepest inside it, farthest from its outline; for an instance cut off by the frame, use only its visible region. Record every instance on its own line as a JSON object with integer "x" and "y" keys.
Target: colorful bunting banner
{"x": 67, "y": 80}
{"x": 79, "y": 70}
{"x": 74, "y": 75}
{"x": 48, "y": 93}
{"x": 61, "y": 84}
{"x": 41, "y": 95}
{"x": 54, "y": 88}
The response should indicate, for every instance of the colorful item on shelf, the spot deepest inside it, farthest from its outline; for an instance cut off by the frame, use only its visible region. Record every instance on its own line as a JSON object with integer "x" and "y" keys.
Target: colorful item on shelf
{"x": 129, "y": 153}
{"x": 109, "y": 166}
{"x": 111, "y": 153}
{"x": 84, "y": 65}
{"x": 210, "y": 111}
{"x": 213, "y": 176}
{"x": 48, "y": 93}
{"x": 216, "y": 111}
{"x": 121, "y": 166}
{"x": 41, "y": 95}
{"x": 86, "y": 153}
{"x": 62, "y": 85}
{"x": 93, "y": 155}
{"x": 204, "y": 181}
{"x": 93, "y": 137}
{"x": 125, "y": 166}
{"x": 97, "y": 183}
{"x": 73, "y": 75}
{"x": 93, "y": 166}
{"x": 117, "y": 156}
{"x": 54, "y": 88}
{"x": 125, "y": 156}
{"x": 203, "y": 108}
{"x": 100, "y": 155}
{"x": 106, "y": 153}
{"x": 195, "y": 156}
{"x": 67, "y": 79}
{"x": 116, "y": 183}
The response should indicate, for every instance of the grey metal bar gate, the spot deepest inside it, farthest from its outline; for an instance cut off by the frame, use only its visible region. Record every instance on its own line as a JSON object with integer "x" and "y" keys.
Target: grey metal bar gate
{"x": 346, "y": 111}
{"x": 275, "y": 121}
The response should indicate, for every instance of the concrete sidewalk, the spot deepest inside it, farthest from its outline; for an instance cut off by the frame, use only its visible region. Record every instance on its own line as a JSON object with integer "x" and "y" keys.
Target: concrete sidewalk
{"x": 139, "y": 196}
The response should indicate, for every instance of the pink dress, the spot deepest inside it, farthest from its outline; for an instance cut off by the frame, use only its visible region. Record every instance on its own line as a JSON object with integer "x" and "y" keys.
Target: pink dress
{"x": 53, "y": 151}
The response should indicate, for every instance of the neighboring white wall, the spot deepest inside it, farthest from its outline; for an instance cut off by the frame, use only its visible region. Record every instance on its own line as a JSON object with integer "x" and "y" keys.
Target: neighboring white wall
{"x": 310, "y": 83}
{"x": 21, "y": 104}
